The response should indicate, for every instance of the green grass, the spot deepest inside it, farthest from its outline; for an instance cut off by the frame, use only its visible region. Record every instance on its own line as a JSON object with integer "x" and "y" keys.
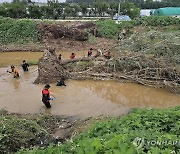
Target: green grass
{"x": 118, "y": 135}
{"x": 32, "y": 62}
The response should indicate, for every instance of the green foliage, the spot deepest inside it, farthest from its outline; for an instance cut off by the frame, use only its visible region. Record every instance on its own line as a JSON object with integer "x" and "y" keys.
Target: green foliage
{"x": 84, "y": 9}
{"x": 32, "y": 62}
{"x": 13, "y": 10}
{"x": 17, "y": 31}
{"x": 91, "y": 38}
{"x": 171, "y": 28}
{"x": 116, "y": 135}
{"x": 108, "y": 28}
{"x": 83, "y": 65}
{"x": 99, "y": 8}
{"x": 155, "y": 21}
{"x": 130, "y": 9}
{"x": 18, "y": 132}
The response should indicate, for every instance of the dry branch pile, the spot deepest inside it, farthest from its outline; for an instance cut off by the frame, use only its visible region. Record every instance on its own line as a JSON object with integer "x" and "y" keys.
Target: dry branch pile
{"x": 55, "y": 31}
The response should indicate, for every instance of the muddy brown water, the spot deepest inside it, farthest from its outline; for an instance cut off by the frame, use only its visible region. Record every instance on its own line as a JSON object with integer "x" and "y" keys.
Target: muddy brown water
{"x": 16, "y": 58}
{"x": 78, "y": 98}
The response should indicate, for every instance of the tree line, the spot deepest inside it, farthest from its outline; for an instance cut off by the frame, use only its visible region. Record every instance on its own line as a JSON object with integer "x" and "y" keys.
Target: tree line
{"x": 143, "y": 4}
{"x": 95, "y": 8}
{"x": 56, "y": 10}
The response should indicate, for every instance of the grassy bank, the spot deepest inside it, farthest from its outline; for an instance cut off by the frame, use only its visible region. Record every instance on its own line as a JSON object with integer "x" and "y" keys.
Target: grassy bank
{"x": 18, "y": 31}
{"x": 137, "y": 132}
{"x": 16, "y": 132}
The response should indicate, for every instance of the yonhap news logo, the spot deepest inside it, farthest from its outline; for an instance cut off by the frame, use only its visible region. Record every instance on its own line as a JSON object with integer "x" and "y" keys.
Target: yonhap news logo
{"x": 140, "y": 142}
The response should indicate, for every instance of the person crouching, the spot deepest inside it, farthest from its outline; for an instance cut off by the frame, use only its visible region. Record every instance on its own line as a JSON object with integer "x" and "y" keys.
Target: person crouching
{"x": 46, "y": 96}
{"x": 61, "y": 82}
{"x": 15, "y": 71}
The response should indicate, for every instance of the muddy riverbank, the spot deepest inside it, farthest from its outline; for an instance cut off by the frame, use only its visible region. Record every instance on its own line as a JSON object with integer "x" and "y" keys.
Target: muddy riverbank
{"x": 60, "y": 45}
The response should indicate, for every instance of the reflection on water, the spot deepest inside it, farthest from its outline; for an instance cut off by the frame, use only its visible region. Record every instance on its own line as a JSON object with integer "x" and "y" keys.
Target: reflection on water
{"x": 16, "y": 58}
{"x": 83, "y": 98}
{"x": 16, "y": 84}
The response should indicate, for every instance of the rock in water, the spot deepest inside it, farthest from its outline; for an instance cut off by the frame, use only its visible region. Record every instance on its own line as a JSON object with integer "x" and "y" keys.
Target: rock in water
{"x": 49, "y": 68}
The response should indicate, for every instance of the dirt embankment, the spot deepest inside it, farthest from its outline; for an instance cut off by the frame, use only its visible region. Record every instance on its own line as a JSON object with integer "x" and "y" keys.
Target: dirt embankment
{"x": 65, "y": 36}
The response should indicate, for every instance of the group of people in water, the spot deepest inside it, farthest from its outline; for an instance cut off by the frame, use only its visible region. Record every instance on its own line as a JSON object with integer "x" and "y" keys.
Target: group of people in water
{"x": 45, "y": 92}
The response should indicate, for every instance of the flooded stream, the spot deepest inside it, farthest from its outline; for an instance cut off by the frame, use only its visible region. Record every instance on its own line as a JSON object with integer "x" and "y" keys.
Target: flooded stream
{"x": 81, "y": 98}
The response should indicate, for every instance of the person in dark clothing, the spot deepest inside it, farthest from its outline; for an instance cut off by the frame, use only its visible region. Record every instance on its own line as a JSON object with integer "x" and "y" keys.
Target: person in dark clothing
{"x": 46, "y": 96}
{"x": 90, "y": 52}
{"x": 60, "y": 57}
{"x": 61, "y": 82}
{"x": 25, "y": 66}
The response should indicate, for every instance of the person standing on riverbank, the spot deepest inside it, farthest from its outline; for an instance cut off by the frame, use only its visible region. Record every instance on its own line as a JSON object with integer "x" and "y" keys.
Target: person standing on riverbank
{"x": 25, "y": 66}
{"x": 46, "y": 96}
{"x": 15, "y": 71}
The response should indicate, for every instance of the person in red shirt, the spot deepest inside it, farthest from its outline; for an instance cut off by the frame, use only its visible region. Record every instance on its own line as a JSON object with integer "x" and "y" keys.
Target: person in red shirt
{"x": 46, "y": 96}
{"x": 72, "y": 56}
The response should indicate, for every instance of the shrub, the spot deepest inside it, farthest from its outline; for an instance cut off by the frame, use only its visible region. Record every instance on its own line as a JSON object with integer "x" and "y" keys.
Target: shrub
{"x": 157, "y": 21}
{"x": 18, "y": 132}
{"x": 151, "y": 21}
{"x": 108, "y": 28}
{"x": 17, "y": 31}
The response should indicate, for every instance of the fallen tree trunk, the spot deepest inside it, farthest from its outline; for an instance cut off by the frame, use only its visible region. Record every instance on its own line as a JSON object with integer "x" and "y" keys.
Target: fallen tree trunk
{"x": 168, "y": 85}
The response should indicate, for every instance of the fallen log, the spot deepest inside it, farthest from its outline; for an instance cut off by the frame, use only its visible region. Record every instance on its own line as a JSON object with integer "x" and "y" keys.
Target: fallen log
{"x": 168, "y": 85}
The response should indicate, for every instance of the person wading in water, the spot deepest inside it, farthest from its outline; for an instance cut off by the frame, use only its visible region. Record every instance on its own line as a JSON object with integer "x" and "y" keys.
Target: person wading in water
{"x": 46, "y": 96}
{"x": 25, "y": 66}
{"x": 61, "y": 82}
{"x": 60, "y": 57}
{"x": 15, "y": 71}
